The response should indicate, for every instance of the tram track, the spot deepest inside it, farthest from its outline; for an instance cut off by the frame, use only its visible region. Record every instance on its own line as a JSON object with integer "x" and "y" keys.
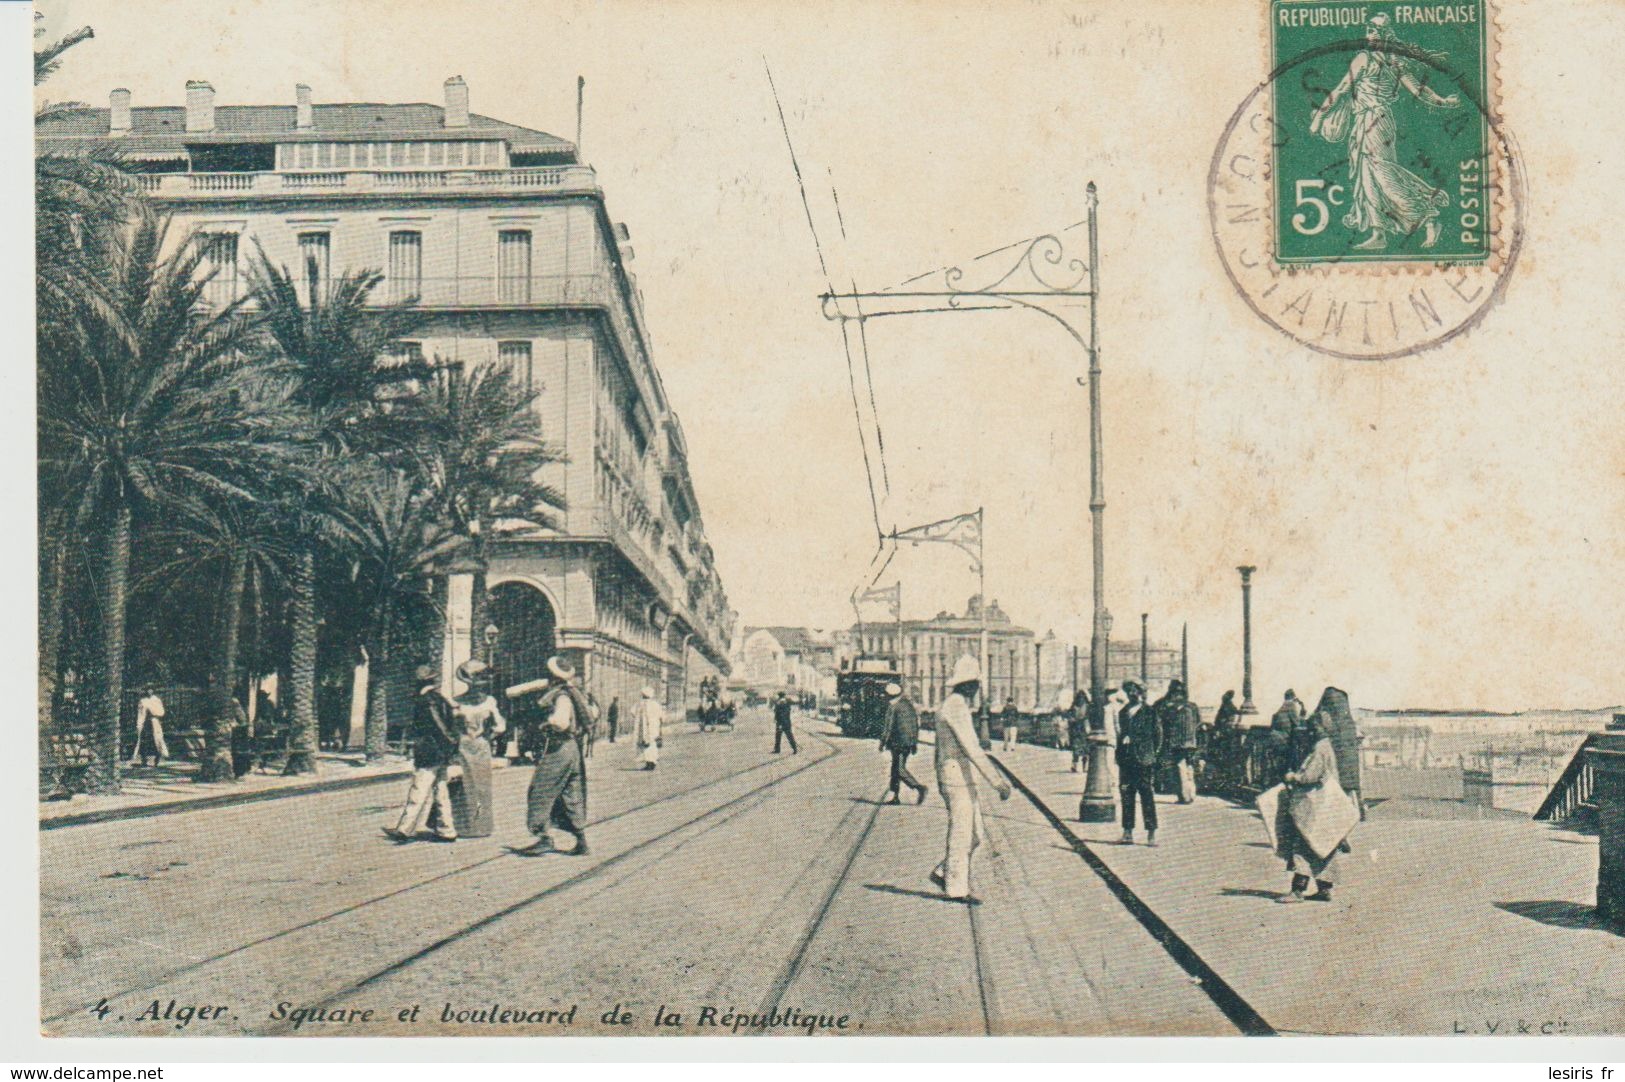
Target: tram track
{"x": 735, "y": 807}
{"x": 354, "y": 908}
{"x": 798, "y": 957}
{"x": 1230, "y": 1003}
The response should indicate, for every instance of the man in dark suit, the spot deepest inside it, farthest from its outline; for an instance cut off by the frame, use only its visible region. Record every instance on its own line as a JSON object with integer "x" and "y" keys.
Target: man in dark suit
{"x": 781, "y": 724}
{"x": 900, "y": 735}
{"x": 1139, "y": 741}
{"x": 434, "y": 743}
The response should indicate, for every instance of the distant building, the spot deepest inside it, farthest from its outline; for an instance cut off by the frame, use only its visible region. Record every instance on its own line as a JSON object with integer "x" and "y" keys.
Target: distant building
{"x": 793, "y": 658}
{"x": 1033, "y": 671}
{"x": 930, "y": 648}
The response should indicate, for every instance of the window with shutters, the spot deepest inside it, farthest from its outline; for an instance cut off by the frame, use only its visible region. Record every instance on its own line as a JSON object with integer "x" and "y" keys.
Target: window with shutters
{"x": 513, "y": 266}
{"x": 515, "y": 358}
{"x": 405, "y": 264}
{"x": 220, "y": 258}
{"x": 314, "y": 249}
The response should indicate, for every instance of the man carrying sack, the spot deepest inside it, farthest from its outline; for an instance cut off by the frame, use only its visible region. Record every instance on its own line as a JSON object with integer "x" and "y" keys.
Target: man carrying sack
{"x": 558, "y": 787}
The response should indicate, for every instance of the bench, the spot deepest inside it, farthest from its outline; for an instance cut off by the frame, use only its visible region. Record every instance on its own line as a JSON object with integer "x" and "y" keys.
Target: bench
{"x": 64, "y": 761}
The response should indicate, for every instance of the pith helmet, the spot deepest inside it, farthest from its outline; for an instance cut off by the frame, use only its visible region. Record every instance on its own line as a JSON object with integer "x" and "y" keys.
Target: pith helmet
{"x": 560, "y": 668}
{"x": 893, "y": 690}
{"x": 965, "y": 671}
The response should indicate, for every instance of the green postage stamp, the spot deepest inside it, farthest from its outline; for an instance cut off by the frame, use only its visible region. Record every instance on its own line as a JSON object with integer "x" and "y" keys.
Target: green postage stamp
{"x": 1383, "y": 148}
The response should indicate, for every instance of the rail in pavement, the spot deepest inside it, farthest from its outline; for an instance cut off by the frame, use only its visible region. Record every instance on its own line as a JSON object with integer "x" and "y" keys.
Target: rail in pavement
{"x": 1440, "y": 926}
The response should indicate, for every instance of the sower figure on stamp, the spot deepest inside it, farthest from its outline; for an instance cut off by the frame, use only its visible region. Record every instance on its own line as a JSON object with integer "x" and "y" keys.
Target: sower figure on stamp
{"x": 1138, "y": 738}
{"x": 434, "y": 743}
{"x": 558, "y": 788}
{"x": 959, "y": 759}
{"x": 900, "y": 735}
{"x": 781, "y": 724}
{"x": 1386, "y": 197}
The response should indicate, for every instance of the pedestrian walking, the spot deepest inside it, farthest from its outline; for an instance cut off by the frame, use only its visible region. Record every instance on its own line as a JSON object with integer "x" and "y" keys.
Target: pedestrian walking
{"x": 434, "y": 742}
{"x": 149, "y": 729}
{"x": 614, "y": 718}
{"x": 959, "y": 759}
{"x": 558, "y": 787}
{"x": 781, "y": 724}
{"x": 900, "y": 735}
{"x": 648, "y": 724}
{"x": 480, "y": 723}
{"x": 1138, "y": 739}
{"x": 1287, "y": 740}
{"x": 1181, "y": 721}
{"x": 1010, "y": 721}
{"x": 1314, "y": 819}
{"x": 592, "y": 724}
{"x": 1077, "y": 730}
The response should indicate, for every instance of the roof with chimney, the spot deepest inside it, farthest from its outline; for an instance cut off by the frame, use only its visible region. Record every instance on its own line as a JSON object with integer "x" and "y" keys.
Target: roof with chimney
{"x": 159, "y": 132}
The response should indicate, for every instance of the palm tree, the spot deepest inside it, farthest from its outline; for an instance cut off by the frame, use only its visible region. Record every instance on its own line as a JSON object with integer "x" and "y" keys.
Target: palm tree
{"x": 486, "y": 456}
{"x": 156, "y": 406}
{"x": 398, "y": 537}
{"x": 235, "y": 545}
{"x": 339, "y": 347}
{"x": 80, "y": 203}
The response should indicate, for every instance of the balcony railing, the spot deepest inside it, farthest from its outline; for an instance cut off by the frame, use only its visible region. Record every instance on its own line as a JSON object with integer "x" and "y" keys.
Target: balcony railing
{"x": 557, "y": 178}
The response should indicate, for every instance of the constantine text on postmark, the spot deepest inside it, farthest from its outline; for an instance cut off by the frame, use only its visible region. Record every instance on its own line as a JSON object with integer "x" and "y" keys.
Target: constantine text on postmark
{"x": 1364, "y": 197}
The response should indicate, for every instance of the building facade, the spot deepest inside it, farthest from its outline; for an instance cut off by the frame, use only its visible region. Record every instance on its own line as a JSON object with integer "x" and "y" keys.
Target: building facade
{"x": 796, "y": 659}
{"x": 1037, "y": 673}
{"x": 502, "y": 235}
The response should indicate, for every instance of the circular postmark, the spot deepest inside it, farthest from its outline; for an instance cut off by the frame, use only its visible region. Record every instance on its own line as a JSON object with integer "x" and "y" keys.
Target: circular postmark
{"x": 1350, "y": 234}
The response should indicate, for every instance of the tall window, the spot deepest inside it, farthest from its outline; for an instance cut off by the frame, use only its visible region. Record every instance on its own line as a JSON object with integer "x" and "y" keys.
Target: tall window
{"x": 220, "y": 257}
{"x": 515, "y": 357}
{"x": 405, "y": 264}
{"x": 313, "y": 261}
{"x": 513, "y": 266}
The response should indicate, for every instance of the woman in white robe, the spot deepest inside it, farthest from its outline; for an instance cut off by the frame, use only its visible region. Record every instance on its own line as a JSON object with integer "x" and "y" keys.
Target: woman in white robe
{"x": 1315, "y": 819}
{"x": 648, "y": 719}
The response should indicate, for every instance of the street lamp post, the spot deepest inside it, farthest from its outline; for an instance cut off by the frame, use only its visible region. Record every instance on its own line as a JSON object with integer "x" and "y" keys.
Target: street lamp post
{"x": 1247, "y": 706}
{"x": 1043, "y": 279}
{"x": 1098, "y": 803}
{"x": 1145, "y": 642}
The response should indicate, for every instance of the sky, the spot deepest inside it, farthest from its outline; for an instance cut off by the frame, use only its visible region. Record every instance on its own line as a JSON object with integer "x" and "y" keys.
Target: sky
{"x": 1446, "y": 530}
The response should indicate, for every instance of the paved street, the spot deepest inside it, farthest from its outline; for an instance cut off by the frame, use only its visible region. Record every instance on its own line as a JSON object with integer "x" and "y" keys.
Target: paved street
{"x": 733, "y": 879}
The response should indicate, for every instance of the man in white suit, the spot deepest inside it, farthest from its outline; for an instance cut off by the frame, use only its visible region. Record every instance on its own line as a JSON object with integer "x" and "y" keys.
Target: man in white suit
{"x": 959, "y": 759}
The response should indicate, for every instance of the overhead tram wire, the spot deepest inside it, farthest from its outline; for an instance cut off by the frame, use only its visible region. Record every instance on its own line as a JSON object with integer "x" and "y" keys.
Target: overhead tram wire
{"x": 829, "y": 284}
{"x": 863, "y": 338}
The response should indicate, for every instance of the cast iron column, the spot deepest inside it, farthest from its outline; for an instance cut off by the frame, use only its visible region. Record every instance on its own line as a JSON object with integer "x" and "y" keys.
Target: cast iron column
{"x": 1247, "y": 706}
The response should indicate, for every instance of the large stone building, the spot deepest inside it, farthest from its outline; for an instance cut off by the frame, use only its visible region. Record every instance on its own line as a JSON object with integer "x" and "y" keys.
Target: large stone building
{"x": 800, "y": 659}
{"x": 1021, "y": 666}
{"x": 502, "y": 234}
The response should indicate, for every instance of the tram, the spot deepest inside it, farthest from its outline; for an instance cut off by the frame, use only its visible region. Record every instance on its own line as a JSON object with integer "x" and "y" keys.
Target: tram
{"x": 861, "y": 690}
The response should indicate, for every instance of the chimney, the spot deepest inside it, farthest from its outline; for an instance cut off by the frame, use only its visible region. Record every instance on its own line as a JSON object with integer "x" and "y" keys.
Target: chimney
{"x": 119, "y": 112}
{"x": 304, "y": 115}
{"x": 199, "y": 106}
{"x": 456, "y": 102}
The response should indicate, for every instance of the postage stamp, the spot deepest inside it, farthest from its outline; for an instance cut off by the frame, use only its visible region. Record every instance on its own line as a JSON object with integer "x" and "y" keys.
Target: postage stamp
{"x": 1390, "y": 159}
{"x": 1365, "y": 197}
